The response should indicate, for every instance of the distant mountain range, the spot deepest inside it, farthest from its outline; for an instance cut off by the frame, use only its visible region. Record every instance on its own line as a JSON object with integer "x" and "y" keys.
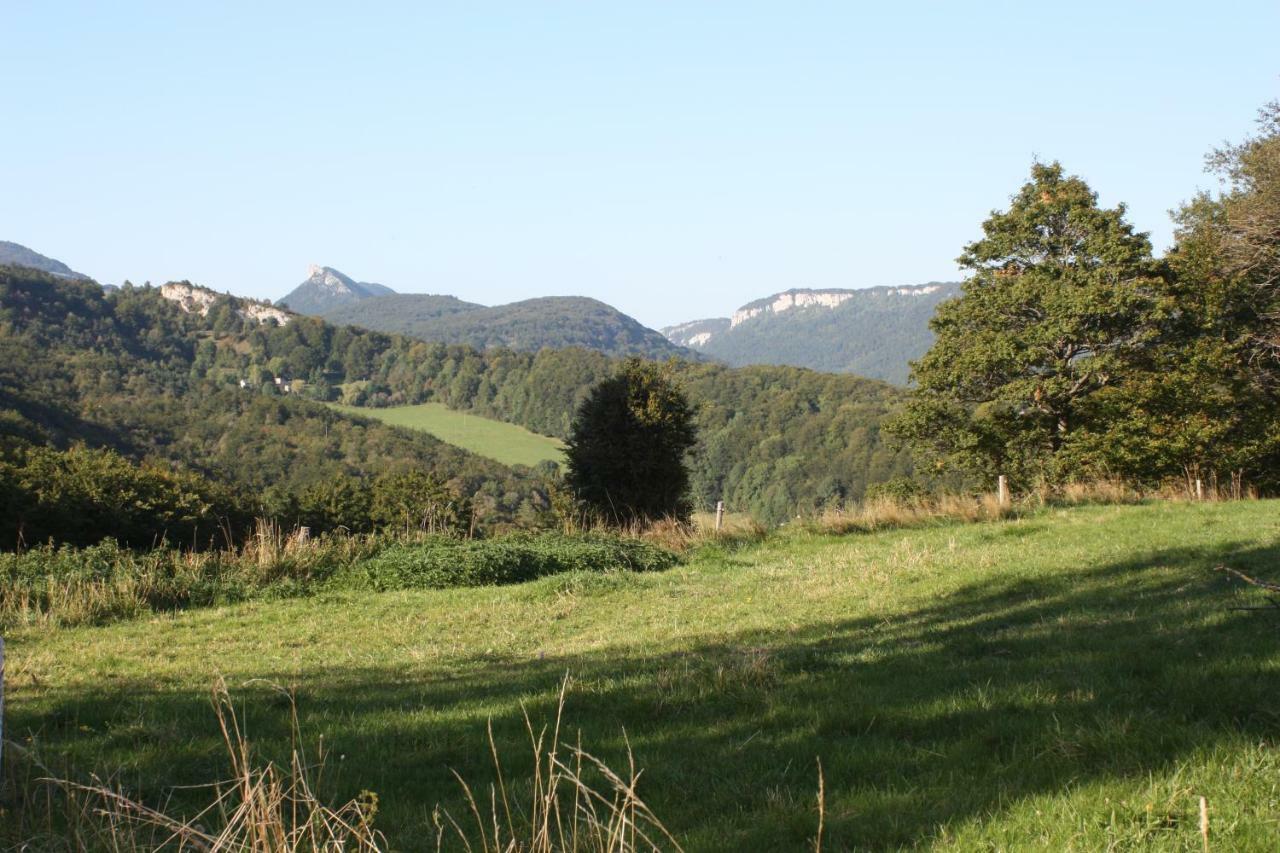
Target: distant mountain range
{"x": 15, "y": 255}
{"x": 873, "y": 332}
{"x": 530, "y": 325}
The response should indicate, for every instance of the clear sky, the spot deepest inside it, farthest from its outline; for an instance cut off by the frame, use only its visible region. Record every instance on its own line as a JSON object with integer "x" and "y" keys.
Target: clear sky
{"x": 672, "y": 159}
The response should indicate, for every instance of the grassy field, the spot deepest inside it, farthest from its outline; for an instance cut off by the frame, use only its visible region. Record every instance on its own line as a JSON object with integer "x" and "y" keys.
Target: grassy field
{"x": 1074, "y": 680}
{"x": 502, "y": 442}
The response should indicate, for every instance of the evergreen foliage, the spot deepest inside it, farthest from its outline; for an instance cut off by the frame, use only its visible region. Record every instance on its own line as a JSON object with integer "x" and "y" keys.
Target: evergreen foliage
{"x": 1062, "y": 293}
{"x": 1073, "y": 354}
{"x": 626, "y": 451}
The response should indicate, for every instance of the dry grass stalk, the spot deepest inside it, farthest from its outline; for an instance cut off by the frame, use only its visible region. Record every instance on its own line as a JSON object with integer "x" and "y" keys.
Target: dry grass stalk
{"x": 566, "y": 810}
{"x": 576, "y": 803}
{"x": 257, "y": 810}
{"x": 822, "y": 809}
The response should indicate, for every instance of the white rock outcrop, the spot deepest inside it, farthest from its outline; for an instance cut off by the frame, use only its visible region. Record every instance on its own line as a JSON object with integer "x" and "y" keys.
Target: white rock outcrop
{"x": 816, "y": 299}
{"x": 200, "y": 300}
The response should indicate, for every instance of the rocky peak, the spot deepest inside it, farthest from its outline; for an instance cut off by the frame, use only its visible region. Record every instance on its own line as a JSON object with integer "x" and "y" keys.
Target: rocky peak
{"x": 326, "y": 287}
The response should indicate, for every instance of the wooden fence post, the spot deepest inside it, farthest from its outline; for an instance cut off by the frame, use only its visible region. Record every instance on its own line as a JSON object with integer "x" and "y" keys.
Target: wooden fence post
{"x": 1002, "y": 490}
{"x": 719, "y": 515}
{"x": 1199, "y": 489}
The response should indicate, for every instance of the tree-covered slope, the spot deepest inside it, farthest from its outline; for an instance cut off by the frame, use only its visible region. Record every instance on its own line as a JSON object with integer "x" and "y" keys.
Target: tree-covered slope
{"x": 134, "y": 371}
{"x": 874, "y": 332}
{"x": 529, "y": 325}
{"x": 131, "y": 371}
{"x": 773, "y": 440}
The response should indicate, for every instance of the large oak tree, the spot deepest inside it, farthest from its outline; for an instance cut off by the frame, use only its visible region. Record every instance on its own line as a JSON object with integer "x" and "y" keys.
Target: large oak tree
{"x": 1062, "y": 293}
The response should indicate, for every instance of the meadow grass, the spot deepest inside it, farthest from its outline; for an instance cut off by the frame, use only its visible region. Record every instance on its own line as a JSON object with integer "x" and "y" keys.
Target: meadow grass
{"x": 497, "y": 440}
{"x": 1072, "y": 678}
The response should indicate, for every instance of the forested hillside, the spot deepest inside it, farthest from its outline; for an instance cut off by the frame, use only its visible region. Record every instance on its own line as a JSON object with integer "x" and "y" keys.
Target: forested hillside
{"x": 530, "y": 325}
{"x": 773, "y": 440}
{"x": 132, "y": 371}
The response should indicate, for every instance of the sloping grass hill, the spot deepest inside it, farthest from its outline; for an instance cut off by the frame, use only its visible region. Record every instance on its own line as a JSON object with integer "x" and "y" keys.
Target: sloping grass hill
{"x": 497, "y": 440}
{"x": 1073, "y": 680}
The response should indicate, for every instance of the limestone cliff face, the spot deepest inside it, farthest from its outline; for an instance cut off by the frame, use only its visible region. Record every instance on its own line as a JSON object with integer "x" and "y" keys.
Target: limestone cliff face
{"x": 872, "y": 331}
{"x": 696, "y": 334}
{"x": 780, "y": 302}
{"x": 200, "y": 300}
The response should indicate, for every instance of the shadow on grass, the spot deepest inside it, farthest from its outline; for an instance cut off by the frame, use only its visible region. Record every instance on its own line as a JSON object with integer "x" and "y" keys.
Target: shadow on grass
{"x": 946, "y": 713}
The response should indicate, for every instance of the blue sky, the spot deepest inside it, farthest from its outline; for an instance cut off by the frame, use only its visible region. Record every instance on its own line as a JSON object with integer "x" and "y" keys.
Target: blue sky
{"x": 672, "y": 159}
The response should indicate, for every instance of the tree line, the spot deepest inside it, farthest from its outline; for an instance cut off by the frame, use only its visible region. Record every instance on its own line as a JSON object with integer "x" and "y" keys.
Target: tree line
{"x": 1075, "y": 353}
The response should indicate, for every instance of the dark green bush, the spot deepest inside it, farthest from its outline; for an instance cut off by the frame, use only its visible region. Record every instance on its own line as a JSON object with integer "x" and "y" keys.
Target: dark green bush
{"x": 442, "y": 562}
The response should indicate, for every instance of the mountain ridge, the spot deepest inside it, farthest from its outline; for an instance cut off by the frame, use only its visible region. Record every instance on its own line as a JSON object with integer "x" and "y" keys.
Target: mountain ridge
{"x": 17, "y": 255}
{"x": 527, "y": 325}
{"x": 874, "y": 332}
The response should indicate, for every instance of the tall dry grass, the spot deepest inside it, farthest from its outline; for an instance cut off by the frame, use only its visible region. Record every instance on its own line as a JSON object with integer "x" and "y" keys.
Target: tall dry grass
{"x": 890, "y": 512}
{"x": 62, "y": 586}
{"x": 258, "y": 808}
{"x": 575, "y": 802}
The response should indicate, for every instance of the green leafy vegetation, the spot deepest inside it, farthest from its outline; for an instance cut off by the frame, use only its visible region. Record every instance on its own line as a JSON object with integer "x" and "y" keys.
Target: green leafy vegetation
{"x": 1061, "y": 292}
{"x": 132, "y": 373}
{"x": 1074, "y": 353}
{"x": 1071, "y": 679}
{"x": 493, "y": 439}
{"x": 104, "y": 583}
{"x": 469, "y": 562}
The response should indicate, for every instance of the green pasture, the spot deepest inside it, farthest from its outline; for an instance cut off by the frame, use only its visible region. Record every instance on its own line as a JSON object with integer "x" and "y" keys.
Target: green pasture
{"x": 497, "y": 440}
{"x": 1072, "y": 680}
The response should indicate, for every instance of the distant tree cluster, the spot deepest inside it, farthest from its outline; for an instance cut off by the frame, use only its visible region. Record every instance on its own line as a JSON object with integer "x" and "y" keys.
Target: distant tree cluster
{"x": 1075, "y": 353}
